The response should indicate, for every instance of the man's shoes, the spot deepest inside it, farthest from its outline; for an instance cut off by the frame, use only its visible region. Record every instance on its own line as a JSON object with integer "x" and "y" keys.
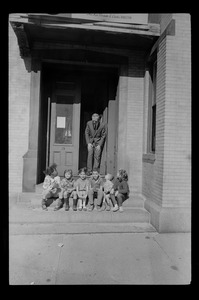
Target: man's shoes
{"x": 80, "y": 208}
{"x": 75, "y": 208}
{"x": 44, "y": 207}
{"x": 85, "y": 208}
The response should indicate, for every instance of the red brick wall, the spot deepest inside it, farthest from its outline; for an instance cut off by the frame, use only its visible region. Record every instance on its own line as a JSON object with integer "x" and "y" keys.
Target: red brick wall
{"x": 19, "y": 96}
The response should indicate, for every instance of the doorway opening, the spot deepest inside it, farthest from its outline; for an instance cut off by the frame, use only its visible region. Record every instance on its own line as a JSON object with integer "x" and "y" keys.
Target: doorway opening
{"x": 94, "y": 99}
{"x": 97, "y": 88}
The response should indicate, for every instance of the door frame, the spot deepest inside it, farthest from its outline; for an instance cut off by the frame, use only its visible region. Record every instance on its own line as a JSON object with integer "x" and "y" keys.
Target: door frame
{"x": 106, "y": 115}
{"x": 75, "y": 122}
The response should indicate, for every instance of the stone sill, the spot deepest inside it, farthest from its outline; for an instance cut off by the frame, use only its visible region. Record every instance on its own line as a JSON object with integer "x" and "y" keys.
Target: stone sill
{"x": 149, "y": 158}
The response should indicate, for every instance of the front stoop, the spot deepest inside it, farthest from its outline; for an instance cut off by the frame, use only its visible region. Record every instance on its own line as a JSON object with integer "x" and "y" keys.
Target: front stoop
{"x": 79, "y": 228}
{"x": 29, "y": 217}
{"x": 35, "y": 200}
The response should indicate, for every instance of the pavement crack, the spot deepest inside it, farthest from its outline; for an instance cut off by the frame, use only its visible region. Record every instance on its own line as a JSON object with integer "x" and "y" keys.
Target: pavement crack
{"x": 162, "y": 249}
{"x": 57, "y": 264}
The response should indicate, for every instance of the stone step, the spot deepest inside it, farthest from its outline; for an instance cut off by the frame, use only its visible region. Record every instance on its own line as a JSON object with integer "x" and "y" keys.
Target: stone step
{"x": 39, "y": 188}
{"x": 37, "y": 215}
{"x": 35, "y": 200}
{"x": 134, "y": 201}
{"x": 27, "y": 216}
{"x": 80, "y": 228}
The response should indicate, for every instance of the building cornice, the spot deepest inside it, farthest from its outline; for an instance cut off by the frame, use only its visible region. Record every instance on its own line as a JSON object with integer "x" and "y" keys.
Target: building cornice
{"x": 23, "y": 43}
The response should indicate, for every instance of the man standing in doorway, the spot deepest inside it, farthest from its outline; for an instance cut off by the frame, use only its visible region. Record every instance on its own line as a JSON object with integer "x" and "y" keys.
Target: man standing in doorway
{"x": 95, "y": 134}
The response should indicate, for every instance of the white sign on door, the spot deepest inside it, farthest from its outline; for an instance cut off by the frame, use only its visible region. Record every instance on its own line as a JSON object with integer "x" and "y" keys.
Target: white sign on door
{"x": 61, "y": 122}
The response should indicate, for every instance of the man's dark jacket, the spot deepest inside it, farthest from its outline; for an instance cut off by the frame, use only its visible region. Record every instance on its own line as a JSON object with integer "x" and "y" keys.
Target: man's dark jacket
{"x": 96, "y": 137}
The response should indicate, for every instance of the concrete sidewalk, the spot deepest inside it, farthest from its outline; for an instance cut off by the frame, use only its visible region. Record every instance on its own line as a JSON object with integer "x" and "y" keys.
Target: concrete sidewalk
{"x": 46, "y": 248}
{"x": 100, "y": 258}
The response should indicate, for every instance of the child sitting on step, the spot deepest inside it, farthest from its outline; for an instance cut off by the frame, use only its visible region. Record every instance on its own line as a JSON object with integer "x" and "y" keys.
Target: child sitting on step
{"x": 82, "y": 185}
{"x": 108, "y": 185}
{"x": 57, "y": 178}
{"x": 120, "y": 190}
{"x": 68, "y": 191}
{"x": 95, "y": 189}
{"x": 51, "y": 185}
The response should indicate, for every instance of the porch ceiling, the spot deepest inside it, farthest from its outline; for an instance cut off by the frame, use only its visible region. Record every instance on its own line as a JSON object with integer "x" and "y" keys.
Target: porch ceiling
{"x": 35, "y": 29}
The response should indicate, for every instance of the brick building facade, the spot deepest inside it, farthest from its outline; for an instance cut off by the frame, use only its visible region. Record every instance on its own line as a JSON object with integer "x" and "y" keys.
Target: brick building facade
{"x": 138, "y": 70}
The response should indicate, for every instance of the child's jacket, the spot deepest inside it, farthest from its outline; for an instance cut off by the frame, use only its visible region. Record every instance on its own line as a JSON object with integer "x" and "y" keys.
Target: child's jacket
{"x": 50, "y": 183}
{"x": 67, "y": 184}
{"x": 82, "y": 184}
{"x": 121, "y": 186}
{"x": 108, "y": 185}
{"x": 96, "y": 184}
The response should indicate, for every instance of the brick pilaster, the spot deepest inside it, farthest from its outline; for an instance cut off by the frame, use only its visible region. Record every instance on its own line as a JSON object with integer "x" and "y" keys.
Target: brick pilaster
{"x": 177, "y": 143}
{"x": 167, "y": 181}
{"x": 134, "y": 133}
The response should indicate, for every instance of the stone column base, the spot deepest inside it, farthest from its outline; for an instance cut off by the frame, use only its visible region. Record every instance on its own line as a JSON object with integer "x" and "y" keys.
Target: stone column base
{"x": 169, "y": 219}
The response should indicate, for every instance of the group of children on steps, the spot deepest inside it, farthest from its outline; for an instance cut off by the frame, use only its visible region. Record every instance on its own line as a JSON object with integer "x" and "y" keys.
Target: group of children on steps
{"x": 111, "y": 191}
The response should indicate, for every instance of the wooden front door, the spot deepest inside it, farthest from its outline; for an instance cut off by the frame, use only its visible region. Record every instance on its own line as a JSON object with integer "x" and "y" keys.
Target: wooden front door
{"x": 64, "y": 128}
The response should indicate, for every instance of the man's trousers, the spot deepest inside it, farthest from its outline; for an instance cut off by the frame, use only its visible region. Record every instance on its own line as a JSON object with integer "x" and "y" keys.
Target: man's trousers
{"x": 94, "y": 154}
